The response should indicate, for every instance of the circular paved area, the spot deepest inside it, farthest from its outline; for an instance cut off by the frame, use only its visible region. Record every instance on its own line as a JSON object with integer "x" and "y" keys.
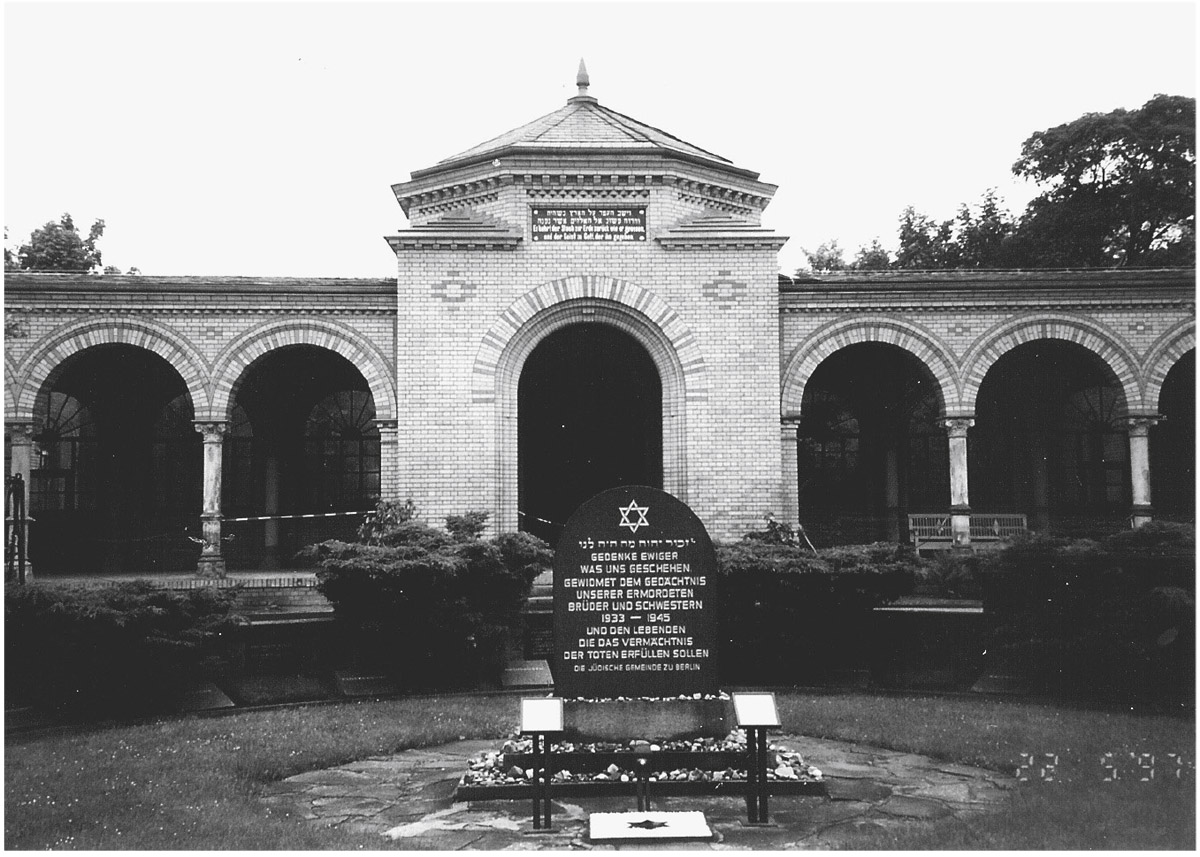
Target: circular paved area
{"x": 410, "y": 796}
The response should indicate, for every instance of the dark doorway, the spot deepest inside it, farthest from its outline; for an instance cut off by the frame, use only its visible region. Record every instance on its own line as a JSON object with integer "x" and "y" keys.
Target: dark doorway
{"x": 870, "y": 448}
{"x": 302, "y": 440}
{"x": 1050, "y": 440}
{"x": 590, "y": 418}
{"x": 115, "y": 482}
{"x": 1173, "y": 445}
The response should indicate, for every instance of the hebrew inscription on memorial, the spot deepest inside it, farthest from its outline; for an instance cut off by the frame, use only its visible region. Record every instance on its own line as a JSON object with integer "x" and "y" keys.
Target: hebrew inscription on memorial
{"x": 634, "y": 599}
{"x": 590, "y": 223}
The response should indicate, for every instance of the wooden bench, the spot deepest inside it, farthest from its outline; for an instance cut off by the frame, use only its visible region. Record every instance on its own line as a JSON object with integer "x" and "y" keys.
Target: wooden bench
{"x": 932, "y": 531}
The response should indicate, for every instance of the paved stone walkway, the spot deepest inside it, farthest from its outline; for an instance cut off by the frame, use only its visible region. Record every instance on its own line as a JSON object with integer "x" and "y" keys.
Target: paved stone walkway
{"x": 409, "y": 796}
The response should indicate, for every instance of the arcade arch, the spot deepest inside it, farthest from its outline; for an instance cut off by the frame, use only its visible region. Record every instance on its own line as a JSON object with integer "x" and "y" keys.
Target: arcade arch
{"x": 804, "y": 359}
{"x": 49, "y": 356}
{"x": 301, "y": 439}
{"x": 115, "y": 476}
{"x": 1051, "y": 437}
{"x": 229, "y": 368}
{"x": 870, "y": 444}
{"x": 1089, "y": 336}
{"x": 1173, "y": 443}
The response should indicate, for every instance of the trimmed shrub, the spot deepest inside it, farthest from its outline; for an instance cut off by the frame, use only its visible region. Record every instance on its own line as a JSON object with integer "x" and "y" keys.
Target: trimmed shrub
{"x": 1114, "y": 618}
{"x": 951, "y": 574}
{"x": 788, "y": 614}
{"x": 113, "y": 650}
{"x": 432, "y": 608}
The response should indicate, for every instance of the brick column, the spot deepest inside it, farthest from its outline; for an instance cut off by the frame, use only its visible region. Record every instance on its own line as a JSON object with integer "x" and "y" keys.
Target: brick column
{"x": 389, "y": 459}
{"x": 212, "y": 563}
{"x": 20, "y": 438}
{"x": 1139, "y": 466}
{"x": 790, "y": 513}
{"x": 960, "y": 502}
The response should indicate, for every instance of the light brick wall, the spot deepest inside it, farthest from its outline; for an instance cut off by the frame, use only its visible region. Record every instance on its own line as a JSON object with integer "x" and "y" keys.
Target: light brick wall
{"x": 1124, "y": 317}
{"x": 736, "y": 340}
{"x": 203, "y": 327}
{"x": 451, "y": 299}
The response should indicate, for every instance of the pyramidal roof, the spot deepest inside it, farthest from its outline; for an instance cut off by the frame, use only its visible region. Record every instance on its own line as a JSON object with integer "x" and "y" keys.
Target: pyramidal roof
{"x": 584, "y": 124}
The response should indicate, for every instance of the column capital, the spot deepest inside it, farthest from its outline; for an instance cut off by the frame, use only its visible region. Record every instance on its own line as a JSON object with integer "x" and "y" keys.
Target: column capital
{"x": 387, "y": 425}
{"x": 789, "y": 428}
{"x": 957, "y": 426}
{"x": 212, "y": 431}
{"x": 19, "y": 432}
{"x": 1140, "y": 424}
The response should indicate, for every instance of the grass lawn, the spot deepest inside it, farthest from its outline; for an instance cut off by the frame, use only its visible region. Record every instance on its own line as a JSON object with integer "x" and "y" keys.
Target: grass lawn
{"x": 192, "y": 783}
{"x": 1073, "y": 804}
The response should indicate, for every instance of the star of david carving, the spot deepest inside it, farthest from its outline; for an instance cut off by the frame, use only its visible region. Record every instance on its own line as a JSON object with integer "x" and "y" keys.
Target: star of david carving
{"x": 648, "y": 824}
{"x": 641, "y": 513}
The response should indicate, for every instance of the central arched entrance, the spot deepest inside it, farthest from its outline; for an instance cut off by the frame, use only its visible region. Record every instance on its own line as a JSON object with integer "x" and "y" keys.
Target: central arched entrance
{"x": 589, "y": 406}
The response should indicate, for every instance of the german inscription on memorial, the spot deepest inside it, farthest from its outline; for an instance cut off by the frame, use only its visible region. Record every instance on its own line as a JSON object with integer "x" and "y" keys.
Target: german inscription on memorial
{"x": 588, "y": 223}
{"x": 634, "y": 598}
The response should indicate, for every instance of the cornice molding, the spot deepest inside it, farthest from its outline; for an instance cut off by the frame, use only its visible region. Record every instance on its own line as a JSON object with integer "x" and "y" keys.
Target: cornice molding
{"x": 852, "y": 307}
{"x": 463, "y": 229}
{"x": 107, "y": 306}
{"x": 711, "y": 229}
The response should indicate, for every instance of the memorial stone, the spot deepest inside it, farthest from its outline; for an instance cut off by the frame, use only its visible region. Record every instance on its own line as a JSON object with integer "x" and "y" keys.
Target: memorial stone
{"x": 634, "y": 599}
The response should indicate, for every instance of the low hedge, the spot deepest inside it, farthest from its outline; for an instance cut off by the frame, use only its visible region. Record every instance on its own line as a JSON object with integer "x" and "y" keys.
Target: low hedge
{"x": 114, "y": 650}
{"x": 1112, "y": 617}
{"x": 790, "y": 614}
{"x": 430, "y": 607}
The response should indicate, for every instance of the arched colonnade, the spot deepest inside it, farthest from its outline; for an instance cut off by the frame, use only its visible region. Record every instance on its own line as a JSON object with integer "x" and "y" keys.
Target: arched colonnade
{"x": 73, "y": 449}
{"x": 1134, "y": 382}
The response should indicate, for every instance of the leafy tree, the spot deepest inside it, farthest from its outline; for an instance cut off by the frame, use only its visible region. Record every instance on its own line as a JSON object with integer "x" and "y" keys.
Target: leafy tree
{"x": 925, "y": 244}
{"x": 872, "y": 258}
{"x": 60, "y": 247}
{"x": 986, "y": 238}
{"x": 827, "y": 257}
{"x": 981, "y": 237}
{"x": 1120, "y": 187}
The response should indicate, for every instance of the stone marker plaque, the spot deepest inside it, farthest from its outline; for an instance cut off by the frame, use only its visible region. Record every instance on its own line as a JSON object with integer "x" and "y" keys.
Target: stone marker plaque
{"x": 634, "y": 599}
{"x": 589, "y": 223}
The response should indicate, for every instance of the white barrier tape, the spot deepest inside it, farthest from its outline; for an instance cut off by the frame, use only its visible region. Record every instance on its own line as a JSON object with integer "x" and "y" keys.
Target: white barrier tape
{"x": 289, "y": 517}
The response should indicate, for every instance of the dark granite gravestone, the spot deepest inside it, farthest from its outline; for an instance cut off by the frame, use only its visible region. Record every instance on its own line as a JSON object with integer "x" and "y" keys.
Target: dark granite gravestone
{"x": 634, "y": 599}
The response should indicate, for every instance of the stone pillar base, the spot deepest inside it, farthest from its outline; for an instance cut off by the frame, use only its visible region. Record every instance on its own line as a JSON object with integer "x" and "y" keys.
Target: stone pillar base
{"x": 212, "y": 567}
{"x": 960, "y": 528}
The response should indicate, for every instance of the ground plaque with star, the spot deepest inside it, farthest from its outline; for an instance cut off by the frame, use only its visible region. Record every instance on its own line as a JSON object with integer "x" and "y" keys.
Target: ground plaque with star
{"x": 634, "y": 599}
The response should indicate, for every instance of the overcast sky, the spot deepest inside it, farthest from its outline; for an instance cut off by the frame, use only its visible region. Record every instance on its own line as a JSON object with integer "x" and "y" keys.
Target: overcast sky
{"x": 262, "y": 139}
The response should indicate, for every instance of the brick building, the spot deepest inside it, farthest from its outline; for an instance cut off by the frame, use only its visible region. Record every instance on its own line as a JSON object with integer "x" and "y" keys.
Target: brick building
{"x": 581, "y": 302}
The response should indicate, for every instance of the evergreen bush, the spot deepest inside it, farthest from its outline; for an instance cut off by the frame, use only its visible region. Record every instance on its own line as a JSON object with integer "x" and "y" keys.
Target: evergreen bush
{"x": 113, "y": 650}
{"x": 1114, "y": 617}
{"x": 788, "y": 613}
{"x": 431, "y": 607}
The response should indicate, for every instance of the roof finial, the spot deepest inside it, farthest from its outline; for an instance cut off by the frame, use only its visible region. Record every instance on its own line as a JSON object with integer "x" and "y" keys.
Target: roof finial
{"x": 581, "y": 78}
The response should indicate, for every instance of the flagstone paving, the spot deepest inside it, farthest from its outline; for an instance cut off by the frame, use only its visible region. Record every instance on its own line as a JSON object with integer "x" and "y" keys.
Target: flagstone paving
{"x": 410, "y": 797}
